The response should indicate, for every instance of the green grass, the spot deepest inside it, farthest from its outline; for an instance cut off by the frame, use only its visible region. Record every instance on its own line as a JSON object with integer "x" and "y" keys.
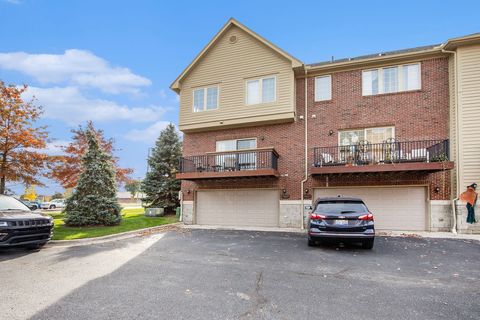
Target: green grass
{"x": 132, "y": 219}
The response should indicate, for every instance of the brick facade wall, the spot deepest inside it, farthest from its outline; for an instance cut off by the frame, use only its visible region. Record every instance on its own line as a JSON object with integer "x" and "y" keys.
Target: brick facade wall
{"x": 416, "y": 115}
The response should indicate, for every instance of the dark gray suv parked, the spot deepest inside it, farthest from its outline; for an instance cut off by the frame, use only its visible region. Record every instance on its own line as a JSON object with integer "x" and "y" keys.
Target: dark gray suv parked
{"x": 341, "y": 218}
{"x": 21, "y": 227}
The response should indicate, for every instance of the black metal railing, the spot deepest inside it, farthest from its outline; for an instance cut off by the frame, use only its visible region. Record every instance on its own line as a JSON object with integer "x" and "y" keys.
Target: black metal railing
{"x": 387, "y": 152}
{"x": 230, "y": 161}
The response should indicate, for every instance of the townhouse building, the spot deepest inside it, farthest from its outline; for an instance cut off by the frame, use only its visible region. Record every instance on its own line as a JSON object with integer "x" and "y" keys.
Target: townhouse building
{"x": 265, "y": 134}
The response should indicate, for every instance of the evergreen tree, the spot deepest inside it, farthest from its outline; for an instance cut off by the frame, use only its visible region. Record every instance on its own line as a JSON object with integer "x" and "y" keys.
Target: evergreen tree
{"x": 160, "y": 186}
{"x": 94, "y": 201}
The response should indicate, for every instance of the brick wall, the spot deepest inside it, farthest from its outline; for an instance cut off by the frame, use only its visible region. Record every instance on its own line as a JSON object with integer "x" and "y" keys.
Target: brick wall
{"x": 417, "y": 115}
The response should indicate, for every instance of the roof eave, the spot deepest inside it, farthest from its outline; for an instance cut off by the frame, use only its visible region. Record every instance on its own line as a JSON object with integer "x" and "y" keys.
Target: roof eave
{"x": 454, "y": 43}
{"x": 374, "y": 60}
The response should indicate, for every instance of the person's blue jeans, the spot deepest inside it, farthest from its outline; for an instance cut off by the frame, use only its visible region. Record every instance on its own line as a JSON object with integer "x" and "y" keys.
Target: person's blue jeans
{"x": 471, "y": 213}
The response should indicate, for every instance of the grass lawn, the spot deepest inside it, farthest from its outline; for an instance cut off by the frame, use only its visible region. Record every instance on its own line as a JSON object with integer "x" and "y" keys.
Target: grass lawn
{"x": 132, "y": 219}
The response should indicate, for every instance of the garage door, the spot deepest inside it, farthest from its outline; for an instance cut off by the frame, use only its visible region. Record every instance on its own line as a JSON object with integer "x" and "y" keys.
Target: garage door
{"x": 254, "y": 208}
{"x": 397, "y": 208}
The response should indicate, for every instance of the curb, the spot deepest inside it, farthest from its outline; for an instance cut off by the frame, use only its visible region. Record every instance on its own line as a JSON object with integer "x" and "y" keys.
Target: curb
{"x": 116, "y": 236}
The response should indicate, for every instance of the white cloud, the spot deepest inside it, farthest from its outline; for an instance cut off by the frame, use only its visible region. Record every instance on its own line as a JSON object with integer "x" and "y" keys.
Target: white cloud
{"x": 54, "y": 148}
{"x": 13, "y": 1}
{"x": 68, "y": 104}
{"x": 74, "y": 67}
{"x": 149, "y": 134}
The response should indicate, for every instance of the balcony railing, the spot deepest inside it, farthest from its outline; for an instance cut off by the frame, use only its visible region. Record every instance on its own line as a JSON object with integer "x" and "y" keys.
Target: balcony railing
{"x": 230, "y": 161}
{"x": 389, "y": 152}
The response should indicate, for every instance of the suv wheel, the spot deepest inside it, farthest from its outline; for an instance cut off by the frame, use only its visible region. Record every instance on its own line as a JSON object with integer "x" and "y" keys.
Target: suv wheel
{"x": 368, "y": 244}
{"x": 311, "y": 243}
{"x": 52, "y": 206}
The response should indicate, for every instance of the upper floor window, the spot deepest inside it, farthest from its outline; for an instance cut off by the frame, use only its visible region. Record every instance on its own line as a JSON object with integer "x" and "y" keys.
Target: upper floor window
{"x": 205, "y": 99}
{"x": 261, "y": 90}
{"x": 391, "y": 79}
{"x": 323, "y": 88}
{"x": 371, "y": 135}
{"x": 238, "y": 144}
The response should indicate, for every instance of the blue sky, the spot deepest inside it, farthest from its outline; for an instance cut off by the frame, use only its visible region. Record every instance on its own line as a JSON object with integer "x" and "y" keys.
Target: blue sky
{"x": 113, "y": 61}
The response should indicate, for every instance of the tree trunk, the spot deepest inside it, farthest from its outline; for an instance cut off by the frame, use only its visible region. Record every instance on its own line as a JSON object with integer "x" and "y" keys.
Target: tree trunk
{"x": 3, "y": 173}
{"x": 2, "y": 185}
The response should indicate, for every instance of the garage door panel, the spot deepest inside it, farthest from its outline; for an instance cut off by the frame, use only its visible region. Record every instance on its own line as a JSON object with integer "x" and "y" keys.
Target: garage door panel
{"x": 238, "y": 207}
{"x": 395, "y": 208}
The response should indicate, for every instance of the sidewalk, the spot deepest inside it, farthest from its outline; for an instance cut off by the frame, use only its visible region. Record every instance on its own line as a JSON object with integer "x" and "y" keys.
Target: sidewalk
{"x": 419, "y": 234}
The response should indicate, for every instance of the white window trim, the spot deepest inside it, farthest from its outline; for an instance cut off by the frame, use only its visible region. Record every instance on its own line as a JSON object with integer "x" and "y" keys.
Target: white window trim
{"x": 260, "y": 88}
{"x": 236, "y": 140}
{"x": 364, "y": 132}
{"x": 400, "y": 82}
{"x": 315, "y": 87}
{"x": 205, "y": 90}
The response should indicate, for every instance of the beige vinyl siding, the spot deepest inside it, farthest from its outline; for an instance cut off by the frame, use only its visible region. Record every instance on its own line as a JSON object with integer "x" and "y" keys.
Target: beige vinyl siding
{"x": 229, "y": 65}
{"x": 469, "y": 114}
{"x": 453, "y": 116}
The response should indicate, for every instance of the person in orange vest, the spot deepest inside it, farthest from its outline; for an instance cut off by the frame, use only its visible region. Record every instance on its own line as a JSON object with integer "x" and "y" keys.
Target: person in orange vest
{"x": 470, "y": 197}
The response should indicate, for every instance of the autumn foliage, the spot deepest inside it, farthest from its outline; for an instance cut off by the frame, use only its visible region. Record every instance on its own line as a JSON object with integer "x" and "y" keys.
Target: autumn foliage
{"x": 66, "y": 169}
{"x": 21, "y": 159}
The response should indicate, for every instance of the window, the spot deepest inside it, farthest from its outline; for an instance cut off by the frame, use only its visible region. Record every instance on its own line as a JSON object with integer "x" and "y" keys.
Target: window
{"x": 372, "y": 135}
{"x": 240, "y": 160}
{"x": 233, "y": 145}
{"x": 205, "y": 99}
{"x": 261, "y": 90}
{"x": 323, "y": 88}
{"x": 370, "y": 82}
{"x": 411, "y": 76}
{"x": 391, "y": 79}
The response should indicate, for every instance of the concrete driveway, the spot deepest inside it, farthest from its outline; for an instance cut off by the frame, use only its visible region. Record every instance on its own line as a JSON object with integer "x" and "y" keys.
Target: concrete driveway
{"x": 215, "y": 274}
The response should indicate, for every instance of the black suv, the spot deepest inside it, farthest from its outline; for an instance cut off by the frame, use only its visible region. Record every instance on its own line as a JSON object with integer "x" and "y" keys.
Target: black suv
{"x": 21, "y": 227}
{"x": 341, "y": 218}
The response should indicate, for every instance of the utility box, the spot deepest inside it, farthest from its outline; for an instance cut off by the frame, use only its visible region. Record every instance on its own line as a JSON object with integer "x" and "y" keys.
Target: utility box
{"x": 154, "y": 212}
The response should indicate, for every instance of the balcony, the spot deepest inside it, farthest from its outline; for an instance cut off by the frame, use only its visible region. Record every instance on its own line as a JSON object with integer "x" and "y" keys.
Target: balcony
{"x": 230, "y": 164}
{"x": 389, "y": 156}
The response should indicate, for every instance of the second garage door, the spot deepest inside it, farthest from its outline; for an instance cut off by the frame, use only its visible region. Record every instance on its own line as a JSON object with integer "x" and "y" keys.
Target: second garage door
{"x": 394, "y": 208}
{"x": 253, "y": 208}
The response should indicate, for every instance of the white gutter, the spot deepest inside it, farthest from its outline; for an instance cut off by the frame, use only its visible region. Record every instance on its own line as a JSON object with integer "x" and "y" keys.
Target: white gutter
{"x": 306, "y": 150}
{"x": 454, "y": 210}
{"x": 457, "y": 145}
{"x": 180, "y": 218}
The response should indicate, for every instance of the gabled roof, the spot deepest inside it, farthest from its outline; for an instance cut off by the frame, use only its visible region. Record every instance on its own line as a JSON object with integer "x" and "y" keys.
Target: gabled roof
{"x": 232, "y": 22}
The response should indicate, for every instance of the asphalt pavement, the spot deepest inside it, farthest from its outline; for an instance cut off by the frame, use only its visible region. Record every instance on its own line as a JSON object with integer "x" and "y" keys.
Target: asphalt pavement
{"x": 219, "y": 274}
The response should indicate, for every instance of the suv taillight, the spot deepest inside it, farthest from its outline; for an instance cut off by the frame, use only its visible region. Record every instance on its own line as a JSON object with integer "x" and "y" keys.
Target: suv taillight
{"x": 316, "y": 216}
{"x": 366, "y": 217}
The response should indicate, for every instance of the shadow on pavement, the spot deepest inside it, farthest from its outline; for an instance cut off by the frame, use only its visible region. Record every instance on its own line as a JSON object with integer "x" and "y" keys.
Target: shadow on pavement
{"x": 212, "y": 274}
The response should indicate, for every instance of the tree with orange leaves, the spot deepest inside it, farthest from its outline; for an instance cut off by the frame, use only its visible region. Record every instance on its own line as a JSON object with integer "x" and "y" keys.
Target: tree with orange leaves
{"x": 66, "y": 169}
{"x": 21, "y": 159}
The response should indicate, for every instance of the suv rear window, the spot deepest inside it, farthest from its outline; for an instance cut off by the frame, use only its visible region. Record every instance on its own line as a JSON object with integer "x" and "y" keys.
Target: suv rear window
{"x": 337, "y": 207}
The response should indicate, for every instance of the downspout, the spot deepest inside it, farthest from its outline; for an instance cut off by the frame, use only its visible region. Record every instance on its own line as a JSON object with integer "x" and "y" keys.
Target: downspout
{"x": 180, "y": 218}
{"x": 457, "y": 152}
{"x": 306, "y": 149}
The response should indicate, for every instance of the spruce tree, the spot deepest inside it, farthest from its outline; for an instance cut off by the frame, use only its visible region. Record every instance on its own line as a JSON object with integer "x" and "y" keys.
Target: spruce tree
{"x": 94, "y": 201}
{"x": 160, "y": 186}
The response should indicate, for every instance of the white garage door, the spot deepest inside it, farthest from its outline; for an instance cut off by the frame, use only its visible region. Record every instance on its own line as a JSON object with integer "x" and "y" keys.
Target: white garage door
{"x": 254, "y": 208}
{"x": 395, "y": 208}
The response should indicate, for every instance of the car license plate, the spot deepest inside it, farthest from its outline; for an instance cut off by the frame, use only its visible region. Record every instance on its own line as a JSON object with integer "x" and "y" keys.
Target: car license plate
{"x": 341, "y": 222}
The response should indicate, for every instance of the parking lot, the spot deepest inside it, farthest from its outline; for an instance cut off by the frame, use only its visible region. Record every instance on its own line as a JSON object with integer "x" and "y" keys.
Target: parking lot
{"x": 219, "y": 274}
